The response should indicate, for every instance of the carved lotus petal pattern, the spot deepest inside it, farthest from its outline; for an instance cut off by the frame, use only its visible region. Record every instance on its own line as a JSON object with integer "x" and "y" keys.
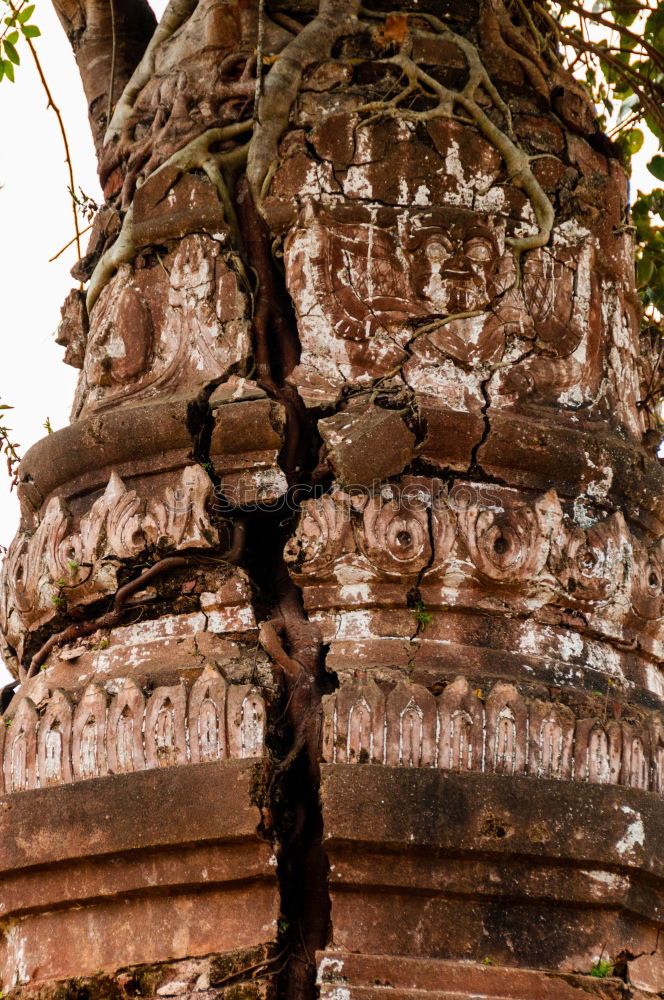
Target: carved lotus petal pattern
{"x": 323, "y": 532}
{"x": 512, "y": 546}
{"x": 396, "y": 535}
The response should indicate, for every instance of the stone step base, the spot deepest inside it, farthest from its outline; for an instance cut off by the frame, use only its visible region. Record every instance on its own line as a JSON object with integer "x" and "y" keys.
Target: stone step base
{"x": 343, "y": 976}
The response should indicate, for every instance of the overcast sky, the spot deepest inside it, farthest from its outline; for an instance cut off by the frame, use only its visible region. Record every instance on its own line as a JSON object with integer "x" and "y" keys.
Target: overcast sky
{"x": 35, "y": 222}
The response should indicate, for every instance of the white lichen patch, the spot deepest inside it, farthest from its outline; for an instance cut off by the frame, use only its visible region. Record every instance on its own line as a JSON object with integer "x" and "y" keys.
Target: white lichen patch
{"x": 330, "y": 969}
{"x": 569, "y": 233}
{"x": 634, "y": 835}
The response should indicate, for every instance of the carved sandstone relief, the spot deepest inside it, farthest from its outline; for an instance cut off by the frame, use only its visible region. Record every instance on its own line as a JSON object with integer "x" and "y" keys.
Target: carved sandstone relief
{"x": 502, "y": 732}
{"x": 69, "y": 561}
{"x": 169, "y": 327}
{"x": 420, "y": 283}
{"x": 116, "y": 730}
{"x": 490, "y": 551}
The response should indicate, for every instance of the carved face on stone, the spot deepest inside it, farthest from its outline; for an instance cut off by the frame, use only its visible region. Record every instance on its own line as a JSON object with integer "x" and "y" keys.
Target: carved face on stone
{"x": 455, "y": 261}
{"x": 121, "y": 347}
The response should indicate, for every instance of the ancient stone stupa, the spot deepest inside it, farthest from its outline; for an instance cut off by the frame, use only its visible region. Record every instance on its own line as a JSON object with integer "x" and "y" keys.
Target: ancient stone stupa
{"x": 337, "y": 609}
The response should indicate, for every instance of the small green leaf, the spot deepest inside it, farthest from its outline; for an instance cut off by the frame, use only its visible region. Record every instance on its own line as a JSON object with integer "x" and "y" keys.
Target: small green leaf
{"x": 25, "y": 15}
{"x": 11, "y": 52}
{"x": 632, "y": 140}
{"x": 656, "y": 167}
{"x": 31, "y": 31}
{"x": 9, "y": 70}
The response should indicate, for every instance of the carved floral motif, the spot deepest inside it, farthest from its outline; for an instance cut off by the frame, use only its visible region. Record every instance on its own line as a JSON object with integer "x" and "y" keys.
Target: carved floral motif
{"x": 69, "y": 561}
{"x": 531, "y": 550}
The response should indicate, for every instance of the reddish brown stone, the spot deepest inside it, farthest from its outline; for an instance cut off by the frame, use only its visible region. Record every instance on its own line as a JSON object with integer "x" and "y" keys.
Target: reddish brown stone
{"x": 365, "y": 444}
{"x": 170, "y": 205}
{"x": 99, "y": 843}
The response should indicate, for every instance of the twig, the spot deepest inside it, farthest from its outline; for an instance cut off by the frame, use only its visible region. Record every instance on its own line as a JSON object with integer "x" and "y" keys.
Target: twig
{"x": 56, "y": 109}
{"x": 67, "y": 245}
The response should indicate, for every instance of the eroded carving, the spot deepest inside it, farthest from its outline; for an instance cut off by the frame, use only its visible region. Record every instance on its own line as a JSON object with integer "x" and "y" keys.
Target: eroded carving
{"x": 457, "y": 549}
{"x": 207, "y": 717}
{"x": 54, "y": 741}
{"x": 503, "y": 733}
{"x": 70, "y": 561}
{"x": 116, "y": 730}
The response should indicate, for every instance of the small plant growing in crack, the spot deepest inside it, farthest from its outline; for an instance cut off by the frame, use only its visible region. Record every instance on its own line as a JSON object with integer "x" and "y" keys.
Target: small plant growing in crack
{"x": 601, "y": 969}
{"x": 423, "y": 617}
{"x": 73, "y": 566}
{"x": 59, "y": 601}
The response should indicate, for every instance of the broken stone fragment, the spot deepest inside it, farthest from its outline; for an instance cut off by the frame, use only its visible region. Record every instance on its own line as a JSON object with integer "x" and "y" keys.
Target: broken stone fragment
{"x": 236, "y": 389}
{"x": 366, "y": 446}
{"x": 169, "y": 206}
{"x": 72, "y": 333}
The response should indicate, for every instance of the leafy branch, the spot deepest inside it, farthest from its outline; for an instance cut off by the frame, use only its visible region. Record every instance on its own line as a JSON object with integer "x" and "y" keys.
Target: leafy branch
{"x": 16, "y": 24}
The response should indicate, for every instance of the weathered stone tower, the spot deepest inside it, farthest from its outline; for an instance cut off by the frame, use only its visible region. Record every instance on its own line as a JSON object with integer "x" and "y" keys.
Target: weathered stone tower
{"x": 337, "y": 609}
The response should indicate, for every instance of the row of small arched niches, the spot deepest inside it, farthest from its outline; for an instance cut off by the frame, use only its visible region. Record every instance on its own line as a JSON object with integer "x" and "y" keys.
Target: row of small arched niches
{"x": 123, "y": 730}
{"x": 503, "y": 733}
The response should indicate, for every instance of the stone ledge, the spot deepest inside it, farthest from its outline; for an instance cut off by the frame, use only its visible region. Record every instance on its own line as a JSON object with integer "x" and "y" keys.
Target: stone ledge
{"x": 580, "y": 823}
{"x": 128, "y": 812}
{"x": 462, "y": 866}
{"x": 133, "y": 869}
{"x": 372, "y": 977}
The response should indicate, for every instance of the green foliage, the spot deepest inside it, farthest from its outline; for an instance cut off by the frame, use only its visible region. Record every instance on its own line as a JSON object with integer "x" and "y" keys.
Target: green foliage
{"x": 16, "y": 28}
{"x": 601, "y": 969}
{"x": 422, "y": 616}
{"x": 646, "y": 211}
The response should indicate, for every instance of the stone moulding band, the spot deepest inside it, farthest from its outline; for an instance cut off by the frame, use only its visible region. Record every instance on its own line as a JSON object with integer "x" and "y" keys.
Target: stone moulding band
{"x": 125, "y": 731}
{"x": 121, "y": 732}
{"x": 503, "y": 734}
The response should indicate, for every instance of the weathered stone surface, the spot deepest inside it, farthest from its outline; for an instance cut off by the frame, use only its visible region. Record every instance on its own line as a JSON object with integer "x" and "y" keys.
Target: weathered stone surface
{"x": 169, "y": 327}
{"x": 68, "y": 562}
{"x": 468, "y": 866}
{"x": 372, "y": 977}
{"x": 171, "y": 205}
{"x": 101, "y": 843}
{"x": 498, "y": 730}
{"x": 366, "y": 444}
{"x": 247, "y": 437}
{"x": 432, "y": 276}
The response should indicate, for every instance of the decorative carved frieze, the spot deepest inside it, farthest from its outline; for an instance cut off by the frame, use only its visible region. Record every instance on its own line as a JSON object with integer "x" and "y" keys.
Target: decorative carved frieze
{"x": 69, "y": 561}
{"x": 117, "y": 730}
{"x": 503, "y": 733}
{"x": 479, "y": 548}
